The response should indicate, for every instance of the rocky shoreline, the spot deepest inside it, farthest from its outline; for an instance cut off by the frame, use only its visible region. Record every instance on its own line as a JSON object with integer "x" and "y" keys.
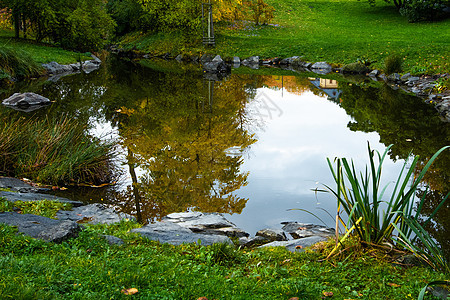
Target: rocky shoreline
{"x": 217, "y": 68}
{"x": 175, "y": 228}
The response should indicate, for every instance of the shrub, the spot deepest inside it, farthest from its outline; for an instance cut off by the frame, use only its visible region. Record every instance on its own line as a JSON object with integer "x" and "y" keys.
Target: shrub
{"x": 355, "y": 68}
{"x": 393, "y": 64}
{"x": 422, "y": 10}
{"x": 15, "y": 63}
{"x": 262, "y": 13}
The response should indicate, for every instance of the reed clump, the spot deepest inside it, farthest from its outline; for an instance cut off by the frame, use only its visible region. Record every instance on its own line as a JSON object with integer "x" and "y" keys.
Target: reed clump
{"x": 15, "y": 63}
{"x": 54, "y": 152}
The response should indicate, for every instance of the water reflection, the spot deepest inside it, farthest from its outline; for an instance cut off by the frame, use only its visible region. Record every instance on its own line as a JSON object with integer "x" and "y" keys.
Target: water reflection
{"x": 250, "y": 146}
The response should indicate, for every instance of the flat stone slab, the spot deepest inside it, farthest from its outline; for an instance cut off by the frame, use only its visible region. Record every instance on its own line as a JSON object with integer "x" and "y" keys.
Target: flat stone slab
{"x": 172, "y": 233}
{"x": 206, "y": 223}
{"x": 17, "y": 185}
{"x": 26, "y": 99}
{"x": 92, "y": 213}
{"x": 41, "y": 227}
{"x": 18, "y": 196}
{"x": 297, "y": 245}
{"x": 302, "y": 230}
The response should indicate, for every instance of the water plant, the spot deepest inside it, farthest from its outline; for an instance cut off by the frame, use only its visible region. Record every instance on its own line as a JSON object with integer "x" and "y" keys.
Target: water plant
{"x": 54, "y": 152}
{"x": 373, "y": 218}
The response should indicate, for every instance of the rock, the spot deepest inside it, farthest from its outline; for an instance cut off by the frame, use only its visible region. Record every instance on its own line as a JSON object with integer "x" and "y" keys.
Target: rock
{"x": 355, "y": 68}
{"x": 252, "y": 60}
{"x": 413, "y": 79}
{"x": 96, "y": 60}
{"x": 252, "y": 241}
{"x": 55, "y": 68}
{"x": 60, "y": 232}
{"x": 236, "y": 60}
{"x": 394, "y": 77}
{"x": 405, "y": 77}
{"x": 216, "y": 67}
{"x": 17, "y": 185}
{"x": 374, "y": 73}
{"x": 383, "y": 77}
{"x": 301, "y": 230}
{"x": 195, "y": 59}
{"x": 113, "y": 240}
{"x": 272, "y": 234}
{"x": 26, "y": 99}
{"x": 296, "y": 245}
{"x": 321, "y": 68}
{"x": 172, "y": 233}
{"x": 41, "y": 227}
{"x": 289, "y": 60}
{"x": 93, "y": 213}
{"x": 205, "y": 223}
{"x": 179, "y": 58}
{"x": 218, "y": 59}
{"x": 18, "y": 196}
{"x": 89, "y": 66}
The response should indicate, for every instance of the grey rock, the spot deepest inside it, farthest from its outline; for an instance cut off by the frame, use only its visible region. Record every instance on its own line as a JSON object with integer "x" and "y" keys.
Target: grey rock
{"x": 113, "y": 240}
{"x": 413, "y": 79}
{"x": 374, "y": 73}
{"x": 179, "y": 58}
{"x": 55, "y": 68}
{"x": 172, "y": 233}
{"x": 298, "y": 245}
{"x": 217, "y": 58}
{"x": 41, "y": 227}
{"x": 321, "y": 65}
{"x": 289, "y": 60}
{"x": 272, "y": 234}
{"x": 236, "y": 65}
{"x": 26, "y": 99}
{"x": 394, "y": 77}
{"x": 93, "y": 213}
{"x": 76, "y": 67}
{"x": 252, "y": 241}
{"x": 229, "y": 231}
{"x": 236, "y": 60}
{"x": 15, "y": 184}
{"x": 89, "y": 66}
{"x": 405, "y": 77}
{"x": 19, "y": 196}
{"x": 301, "y": 230}
{"x": 383, "y": 77}
{"x": 216, "y": 67}
{"x": 252, "y": 60}
{"x": 195, "y": 59}
{"x": 60, "y": 232}
{"x": 95, "y": 59}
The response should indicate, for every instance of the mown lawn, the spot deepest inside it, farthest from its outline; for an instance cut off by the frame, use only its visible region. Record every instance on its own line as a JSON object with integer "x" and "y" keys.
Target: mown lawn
{"x": 89, "y": 268}
{"x": 41, "y": 52}
{"x": 336, "y": 31}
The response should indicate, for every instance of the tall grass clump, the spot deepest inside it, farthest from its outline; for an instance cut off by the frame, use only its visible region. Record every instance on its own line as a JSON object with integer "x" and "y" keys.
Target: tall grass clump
{"x": 393, "y": 64}
{"x": 54, "y": 152}
{"x": 15, "y": 63}
{"x": 374, "y": 216}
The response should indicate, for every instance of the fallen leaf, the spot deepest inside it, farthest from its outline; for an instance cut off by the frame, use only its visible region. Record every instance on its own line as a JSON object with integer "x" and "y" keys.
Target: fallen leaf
{"x": 85, "y": 220}
{"x": 202, "y": 298}
{"x": 294, "y": 298}
{"x": 79, "y": 215}
{"x": 63, "y": 188}
{"x": 394, "y": 284}
{"x": 299, "y": 247}
{"x": 327, "y": 294}
{"x": 286, "y": 261}
{"x": 302, "y": 228}
{"x": 131, "y": 291}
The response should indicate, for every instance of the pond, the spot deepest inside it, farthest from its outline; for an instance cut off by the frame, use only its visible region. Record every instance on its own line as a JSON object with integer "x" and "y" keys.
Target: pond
{"x": 250, "y": 146}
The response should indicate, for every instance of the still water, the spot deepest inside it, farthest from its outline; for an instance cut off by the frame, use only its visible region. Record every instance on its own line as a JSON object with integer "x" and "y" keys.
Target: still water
{"x": 249, "y": 146}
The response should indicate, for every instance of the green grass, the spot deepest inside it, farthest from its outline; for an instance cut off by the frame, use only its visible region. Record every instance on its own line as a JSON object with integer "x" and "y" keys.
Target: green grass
{"x": 44, "y": 208}
{"x": 40, "y": 52}
{"x": 89, "y": 268}
{"x": 336, "y": 31}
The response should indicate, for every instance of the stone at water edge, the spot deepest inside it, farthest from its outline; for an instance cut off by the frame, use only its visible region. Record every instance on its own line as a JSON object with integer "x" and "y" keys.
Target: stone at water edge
{"x": 272, "y": 234}
{"x": 26, "y": 99}
{"x": 298, "y": 245}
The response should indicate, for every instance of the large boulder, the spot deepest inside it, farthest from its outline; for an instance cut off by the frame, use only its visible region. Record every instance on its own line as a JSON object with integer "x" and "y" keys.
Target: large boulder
{"x": 26, "y": 99}
{"x": 41, "y": 227}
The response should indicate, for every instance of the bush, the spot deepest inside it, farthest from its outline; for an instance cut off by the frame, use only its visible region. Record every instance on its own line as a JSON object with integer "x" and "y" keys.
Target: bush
{"x": 393, "y": 64}
{"x": 262, "y": 13}
{"x": 15, "y": 63}
{"x": 422, "y": 10}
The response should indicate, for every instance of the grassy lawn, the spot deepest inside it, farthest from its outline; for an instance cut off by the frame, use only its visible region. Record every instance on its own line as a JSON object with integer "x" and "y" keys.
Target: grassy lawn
{"x": 89, "y": 268}
{"x": 336, "y": 31}
{"x": 41, "y": 52}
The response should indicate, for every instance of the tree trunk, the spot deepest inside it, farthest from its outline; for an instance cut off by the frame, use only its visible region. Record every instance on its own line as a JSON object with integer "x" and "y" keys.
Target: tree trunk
{"x": 16, "y": 16}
